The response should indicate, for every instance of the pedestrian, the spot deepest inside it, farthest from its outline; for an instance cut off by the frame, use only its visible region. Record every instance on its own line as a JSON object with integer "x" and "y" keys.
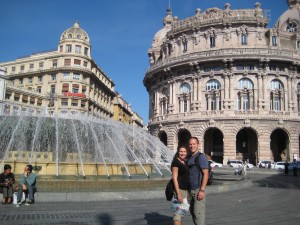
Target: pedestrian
{"x": 295, "y": 167}
{"x": 198, "y": 177}
{"x": 245, "y": 168}
{"x": 7, "y": 179}
{"x": 180, "y": 178}
{"x": 286, "y": 167}
{"x": 27, "y": 185}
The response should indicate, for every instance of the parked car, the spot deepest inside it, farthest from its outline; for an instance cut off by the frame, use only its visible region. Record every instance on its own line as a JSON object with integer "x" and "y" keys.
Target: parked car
{"x": 263, "y": 163}
{"x": 279, "y": 165}
{"x": 238, "y": 163}
{"x": 291, "y": 165}
{"x": 214, "y": 164}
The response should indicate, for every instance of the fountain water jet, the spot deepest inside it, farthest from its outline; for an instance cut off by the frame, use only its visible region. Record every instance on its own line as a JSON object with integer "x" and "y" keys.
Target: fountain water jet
{"x": 57, "y": 144}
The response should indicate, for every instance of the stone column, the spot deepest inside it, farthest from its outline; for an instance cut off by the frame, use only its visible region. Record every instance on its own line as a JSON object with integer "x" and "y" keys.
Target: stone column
{"x": 21, "y": 98}
{"x": 286, "y": 100}
{"x": 231, "y": 91}
{"x": 199, "y": 92}
{"x": 12, "y": 97}
{"x": 259, "y": 92}
{"x": 194, "y": 98}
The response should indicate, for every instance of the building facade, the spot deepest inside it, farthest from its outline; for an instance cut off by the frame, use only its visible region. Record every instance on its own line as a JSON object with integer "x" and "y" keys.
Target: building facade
{"x": 123, "y": 112}
{"x": 223, "y": 76}
{"x": 65, "y": 80}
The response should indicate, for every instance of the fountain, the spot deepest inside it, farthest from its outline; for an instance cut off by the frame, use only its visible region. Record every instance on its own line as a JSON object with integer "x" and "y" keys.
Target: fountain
{"x": 77, "y": 144}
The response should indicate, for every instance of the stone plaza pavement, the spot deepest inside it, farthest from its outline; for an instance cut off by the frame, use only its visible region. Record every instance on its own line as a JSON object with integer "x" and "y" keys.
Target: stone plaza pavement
{"x": 272, "y": 198}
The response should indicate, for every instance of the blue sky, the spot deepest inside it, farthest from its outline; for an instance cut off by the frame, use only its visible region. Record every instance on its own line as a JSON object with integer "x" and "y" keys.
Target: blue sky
{"x": 121, "y": 31}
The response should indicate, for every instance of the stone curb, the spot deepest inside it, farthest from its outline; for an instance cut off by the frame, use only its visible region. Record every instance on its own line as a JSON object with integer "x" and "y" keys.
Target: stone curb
{"x": 129, "y": 195}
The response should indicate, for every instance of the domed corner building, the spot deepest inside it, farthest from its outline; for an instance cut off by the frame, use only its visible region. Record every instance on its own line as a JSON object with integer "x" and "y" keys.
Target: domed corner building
{"x": 224, "y": 77}
{"x": 65, "y": 80}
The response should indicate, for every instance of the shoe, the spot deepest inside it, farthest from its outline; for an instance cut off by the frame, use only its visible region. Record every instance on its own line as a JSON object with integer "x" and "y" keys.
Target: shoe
{"x": 19, "y": 203}
{"x": 30, "y": 202}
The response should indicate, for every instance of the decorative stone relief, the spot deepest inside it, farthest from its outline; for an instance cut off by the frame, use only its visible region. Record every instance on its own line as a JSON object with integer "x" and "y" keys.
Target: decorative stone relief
{"x": 247, "y": 122}
{"x": 212, "y": 122}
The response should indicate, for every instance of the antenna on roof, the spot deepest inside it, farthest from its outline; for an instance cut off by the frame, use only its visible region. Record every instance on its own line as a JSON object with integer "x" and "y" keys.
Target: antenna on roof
{"x": 169, "y": 4}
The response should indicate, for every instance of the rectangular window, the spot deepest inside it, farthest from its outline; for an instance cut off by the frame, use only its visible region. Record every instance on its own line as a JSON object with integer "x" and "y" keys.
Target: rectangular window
{"x": 40, "y": 78}
{"x": 65, "y": 87}
{"x": 54, "y": 63}
{"x": 31, "y": 67}
{"x": 85, "y": 64}
{"x": 272, "y": 68}
{"x": 13, "y": 69}
{"x": 207, "y": 69}
{"x": 66, "y": 76}
{"x": 30, "y": 80}
{"x": 52, "y": 88}
{"x": 67, "y": 62}
{"x": 217, "y": 68}
{"x": 64, "y": 102}
{"x": 74, "y": 103}
{"x": 12, "y": 83}
{"x": 212, "y": 42}
{"x": 185, "y": 106}
{"x": 21, "y": 81}
{"x": 78, "y": 49}
{"x": 86, "y": 51}
{"x": 41, "y": 65}
{"x": 274, "y": 41}
{"x": 239, "y": 67}
{"x": 244, "y": 39}
{"x": 61, "y": 48}
{"x": 76, "y": 76}
{"x": 22, "y": 69}
{"x": 213, "y": 104}
{"x": 68, "y": 48}
{"x": 77, "y": 62}
{"x": 39, "y": 89}
{"x": 75, "y": 90}
{"x": 53, "y": 76}
{"x": 249, "y": 67}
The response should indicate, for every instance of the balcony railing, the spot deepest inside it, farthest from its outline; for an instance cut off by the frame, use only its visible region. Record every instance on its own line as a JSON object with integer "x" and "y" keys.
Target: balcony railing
{"x": 225, "y": 53}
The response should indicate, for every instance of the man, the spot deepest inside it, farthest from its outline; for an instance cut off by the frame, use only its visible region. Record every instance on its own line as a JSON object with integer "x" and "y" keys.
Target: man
{"x": 27, "y": 185}
{"x": 198, "y": 177}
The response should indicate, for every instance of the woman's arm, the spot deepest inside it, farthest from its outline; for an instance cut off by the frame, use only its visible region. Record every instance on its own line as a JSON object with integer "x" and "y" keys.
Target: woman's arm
{"x": 176, "y": 185}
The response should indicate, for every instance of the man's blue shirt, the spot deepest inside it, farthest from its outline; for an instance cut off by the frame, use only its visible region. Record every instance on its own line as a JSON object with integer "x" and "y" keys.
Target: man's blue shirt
{"x": 194, "y": 181}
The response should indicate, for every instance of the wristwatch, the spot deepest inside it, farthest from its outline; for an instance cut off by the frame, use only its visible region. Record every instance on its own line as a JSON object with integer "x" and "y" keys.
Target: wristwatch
{"x": 201, "y": 190}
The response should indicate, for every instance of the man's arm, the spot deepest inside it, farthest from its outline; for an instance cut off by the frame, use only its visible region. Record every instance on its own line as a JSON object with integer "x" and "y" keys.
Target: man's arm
{"x": 30, "y": 180}
{"x": 201, "y": 193}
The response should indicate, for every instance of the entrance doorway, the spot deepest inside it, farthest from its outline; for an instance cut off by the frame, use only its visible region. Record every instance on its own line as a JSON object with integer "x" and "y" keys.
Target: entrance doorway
{"x": 184, "y": 136}
{"x": 213, "y": 144}
{"x": 246, "y": 145}
{"x": 280, "y": 145}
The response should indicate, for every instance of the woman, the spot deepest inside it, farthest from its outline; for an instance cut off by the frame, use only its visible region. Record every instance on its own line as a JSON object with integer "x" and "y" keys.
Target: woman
{"x": 7, "y": 179}
{"x": 180, "y": 177}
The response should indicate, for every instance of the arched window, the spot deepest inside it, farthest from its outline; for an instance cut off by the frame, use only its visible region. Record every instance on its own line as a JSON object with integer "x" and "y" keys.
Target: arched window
{"x": 275, "y": 85}
{"x": 184, "y": 98}
{"x": 185, "y": 88}
{"x": 291, "y": 27}
{"x": 276, "y": 96}
{"x": 245, "y": 96}
{"x": 213, "y": 95}
{"x": 213, "y": 85}
{"x": 69, "y": 35}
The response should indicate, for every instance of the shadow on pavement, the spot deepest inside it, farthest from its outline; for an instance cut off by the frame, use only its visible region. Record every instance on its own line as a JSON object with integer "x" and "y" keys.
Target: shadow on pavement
{"x": 105, "y": 219}
{"x": 282, "y": 181}
{"x": 154, "y": 218}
